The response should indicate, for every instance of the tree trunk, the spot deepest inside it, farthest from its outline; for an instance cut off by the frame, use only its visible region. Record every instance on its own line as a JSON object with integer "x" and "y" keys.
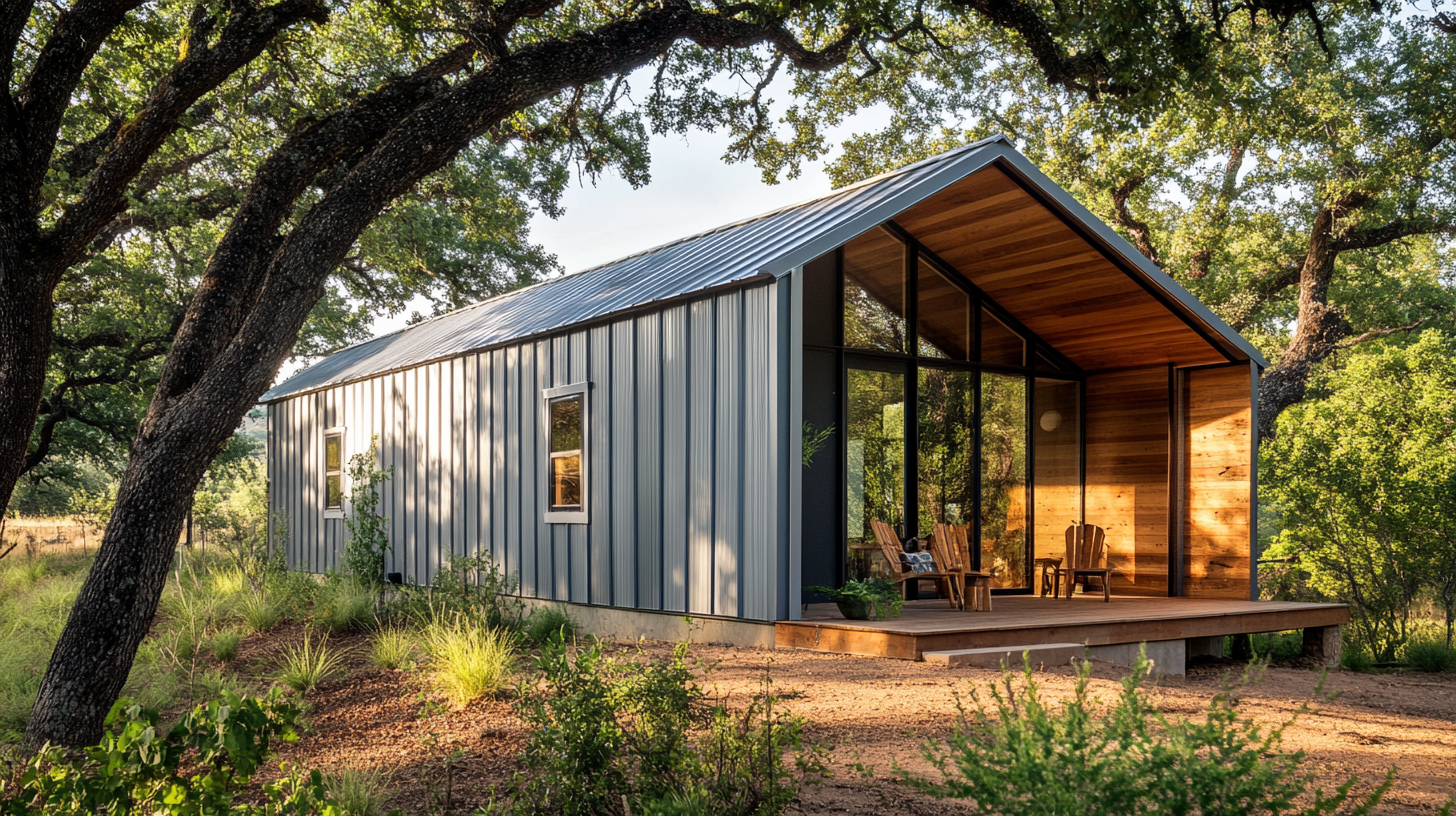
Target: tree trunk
{"x": 1317, "y": 334}
{"x": 26, "y": 309}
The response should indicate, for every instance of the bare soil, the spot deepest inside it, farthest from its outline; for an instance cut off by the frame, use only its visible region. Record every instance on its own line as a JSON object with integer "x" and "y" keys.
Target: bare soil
{"x": 875, "y": 712}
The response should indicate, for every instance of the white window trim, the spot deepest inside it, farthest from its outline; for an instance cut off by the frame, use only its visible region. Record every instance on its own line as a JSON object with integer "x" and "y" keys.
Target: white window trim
{"x": 547, "y": 395}
{"x": 335, "y": 512}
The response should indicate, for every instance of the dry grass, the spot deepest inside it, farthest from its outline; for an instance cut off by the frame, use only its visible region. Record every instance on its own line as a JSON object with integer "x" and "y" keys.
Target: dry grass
{"x": 40, "y": 536}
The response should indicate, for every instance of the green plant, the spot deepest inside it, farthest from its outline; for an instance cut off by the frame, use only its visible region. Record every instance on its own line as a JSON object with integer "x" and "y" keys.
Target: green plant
{"x": 813, "y": 440}
{"x": 259, "y": 613}
{"x": 469, "y": 659}
{"x": 547, "y": 622}
{"x": 368, "y": 538}
{"x": 358, "y": 792}
{"x": 392, "y": 648}
{"x": 198, "y": 766}
{"x": 345, "y": 604}
{"x": 1353, "y": 658}
{"x": 1278, "y": 647}
{"x": 468, "y": 585}
{"x": 225, "y": 645}
{"x": 307, "y": 665}
{"x": 1430, "y": 656}
{"x": 1017, "y": 755}
{"x": 880, "y": 595}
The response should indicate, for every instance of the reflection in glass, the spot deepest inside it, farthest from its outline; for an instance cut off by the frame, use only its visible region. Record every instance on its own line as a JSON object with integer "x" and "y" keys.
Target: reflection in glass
{"x": 334, "y": 471}
{"x": 566, "y": 452}
{"x": 875, "y": 463}
{"x": 999, "y": 344}
{"x": 1003, "y": 479}
{"x": 946, "y": 407}
{"x": 874, "y": 292}
{"x": 944, "y": 315}
{"x": 1057, "y": 494}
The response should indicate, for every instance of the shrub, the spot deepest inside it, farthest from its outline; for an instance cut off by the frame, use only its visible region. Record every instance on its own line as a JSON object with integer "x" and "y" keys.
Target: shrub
{"x": 259, "y": 614}
{"x": 200, "y": 765}
{"x": 547, "y": 622}
{"x": 471, "y": 586}
{"x": 345, "y": 604}
{"x": 306, "y": 666}
{"x": 1430, "y": 656}
{"x": 1016, "y": 755}
{"x": 1278, "y": 647}
{"x": 225, "y": 645}
{"x": 1353, "y": 658}
{"x": 356, "y": 792}
{"x": 605, "y": 732}
{"x": 368, "y": 531}
{"x": 470, "y": 660}
{"x": 392, "y": 648}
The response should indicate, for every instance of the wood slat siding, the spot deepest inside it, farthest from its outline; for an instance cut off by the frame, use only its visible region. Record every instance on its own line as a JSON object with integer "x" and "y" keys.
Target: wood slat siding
{"x": 1217, "y": 440}
{"x": 1127, "y": 475}
{"x": 1052, "y": 280}
{"x": 682, "y": 459}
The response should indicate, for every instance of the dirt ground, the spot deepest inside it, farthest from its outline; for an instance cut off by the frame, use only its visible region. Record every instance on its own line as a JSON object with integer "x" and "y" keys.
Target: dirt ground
{"x": 874, "y": 711}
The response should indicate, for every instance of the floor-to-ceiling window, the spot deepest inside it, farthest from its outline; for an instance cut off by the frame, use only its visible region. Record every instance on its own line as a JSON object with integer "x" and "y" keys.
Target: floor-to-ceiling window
{"x": 940, "y": 399}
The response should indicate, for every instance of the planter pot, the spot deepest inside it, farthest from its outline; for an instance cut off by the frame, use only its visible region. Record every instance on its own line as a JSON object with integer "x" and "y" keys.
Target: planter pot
{"x": 856, "y": 609}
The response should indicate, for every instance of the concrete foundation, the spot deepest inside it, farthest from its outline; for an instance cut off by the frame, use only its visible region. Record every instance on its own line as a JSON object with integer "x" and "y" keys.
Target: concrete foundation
{"x": 1205, "y": 647}
{"x": 1324, "y": 643}
{"x": 1046, "y": 654}
{"x": 1166, "y": 656}
{"x": 631, "y": 624}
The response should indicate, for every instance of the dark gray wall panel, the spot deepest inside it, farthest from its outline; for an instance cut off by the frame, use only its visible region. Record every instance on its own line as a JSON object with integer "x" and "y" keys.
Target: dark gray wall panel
{"x": 599, "y": 467}
{"x": 624, "y": 451}
{"x": 701, "y": 422}
{"x": 728, "y": 442}
{"x": 648, "y": 489}
{"x": 675, "y": 492}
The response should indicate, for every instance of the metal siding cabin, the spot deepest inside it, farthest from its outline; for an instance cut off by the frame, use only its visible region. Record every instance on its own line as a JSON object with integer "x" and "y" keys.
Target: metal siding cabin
{"x": 964, "y": 306}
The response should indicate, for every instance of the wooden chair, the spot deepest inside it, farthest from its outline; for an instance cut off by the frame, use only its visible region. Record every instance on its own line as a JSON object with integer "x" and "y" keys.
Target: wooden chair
{"x": 1086, "y": 558}
{"x": 890, "y": 546}
{"x": 955, "y": 539}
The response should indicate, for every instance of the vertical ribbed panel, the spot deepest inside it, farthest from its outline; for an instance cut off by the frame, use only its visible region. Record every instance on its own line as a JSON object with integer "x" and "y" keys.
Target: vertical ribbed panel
{"x": 674, "y": 444}
{"x": 728, "y": 455}
{"x": 647, "y": 495}
{"x": 468, "y": 436}
{"x": 526, "y": 414}
{"x": 510, "y": 400}
{"x": 624, "y": 452}
{"x": 578, "y": 540}
{"x": 755, "y": 574}
{"x": 599, "y": 486}
{"x": 394, "y": 417}
{"x": 701, "y": 423}
{"x": 499, "y": 485}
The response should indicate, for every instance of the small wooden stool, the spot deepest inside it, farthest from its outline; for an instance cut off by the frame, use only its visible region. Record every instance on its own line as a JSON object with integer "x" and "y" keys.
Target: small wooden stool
{"x": 1051, "y": 576}
{"x": 978, "y": 588}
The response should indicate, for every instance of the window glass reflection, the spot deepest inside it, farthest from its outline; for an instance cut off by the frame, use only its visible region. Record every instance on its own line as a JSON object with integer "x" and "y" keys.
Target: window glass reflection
{"x": 874, "y": 292}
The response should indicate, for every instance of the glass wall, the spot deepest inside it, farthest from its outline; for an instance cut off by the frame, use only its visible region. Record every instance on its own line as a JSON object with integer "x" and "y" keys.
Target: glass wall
{"x": 874, "y": 292}
{"x": 1003, "y": 480}
{"x": 874, "y": 463}
{"x": 1057, "y": 493}
{"x": 946, "y": 406}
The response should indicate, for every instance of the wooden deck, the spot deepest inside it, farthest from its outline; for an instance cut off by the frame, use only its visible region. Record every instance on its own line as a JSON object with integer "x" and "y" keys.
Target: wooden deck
{"x": 1022, "y": 620}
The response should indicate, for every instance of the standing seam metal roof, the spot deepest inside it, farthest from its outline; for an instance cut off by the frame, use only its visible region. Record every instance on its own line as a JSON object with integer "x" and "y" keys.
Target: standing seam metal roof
{"x": 772, "y": 244}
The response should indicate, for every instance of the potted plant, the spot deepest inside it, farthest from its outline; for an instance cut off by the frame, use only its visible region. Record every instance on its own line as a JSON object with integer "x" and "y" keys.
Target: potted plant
{"x": 858, "y": 600}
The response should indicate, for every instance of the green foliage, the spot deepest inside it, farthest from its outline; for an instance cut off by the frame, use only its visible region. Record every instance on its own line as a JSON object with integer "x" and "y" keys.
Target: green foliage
{"x": 813, "y": 440}
{"x": 1277, "y": 647}
{"x": 232, "y": 507}
{"x": 307, "y": 665}
{"x": 259, "y": 614}
{"x": 1356, "y": 659}
{"x": 357, "y": 792}
{"x": 198, "y": 766}
{"x": 605, "y": 731}
{"x": 1365, "y": 473}
{"x": 549, "y": 622}
{"x": 1430, "y": 656}
{"x": 345, "y": 604}
{"x": 881, "y": 595}
{"x": 368, "y": 538}
{"x": 470, "y": 660}
{"x": 393, "y": 647}
{"x": 225, "y": 645}
{"x": 473, "y": 586}
{"x": 1015, "y": 755}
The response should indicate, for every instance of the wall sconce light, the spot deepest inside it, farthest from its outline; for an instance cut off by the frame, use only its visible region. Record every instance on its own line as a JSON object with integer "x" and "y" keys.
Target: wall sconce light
{"x": 1051, "y": 420}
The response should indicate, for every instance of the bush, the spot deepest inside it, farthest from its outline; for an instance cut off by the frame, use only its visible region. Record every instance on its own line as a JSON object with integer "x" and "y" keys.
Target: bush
{"x": 259, "y": 614}
{"x": 356, "y": 792}
{"x": 547, "y": 622}
{"x": 345, "y": 604}
{"x": 1353, "y": 658}
{"x": 198, "y": 766}
{"x": 392, "y": 648}
{"x": 306, "y": 666}
{"x": 471, "y": 586}
{"x": 368, "y": 539}
{"x": 605, "y": 732}
{"x": 225, "y": 645}
{"x": 1016, "y": 755}
{"x": 1430, "y": 656}
{"x": 470, "y": 660}
{"x": 1278, "y": 647}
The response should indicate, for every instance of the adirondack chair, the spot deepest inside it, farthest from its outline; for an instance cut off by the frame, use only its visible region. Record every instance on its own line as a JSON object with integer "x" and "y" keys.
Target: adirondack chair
{"x": 1086, "y": 558}
{"x": 956, "y": 542}
{"x": 890, "y": 546}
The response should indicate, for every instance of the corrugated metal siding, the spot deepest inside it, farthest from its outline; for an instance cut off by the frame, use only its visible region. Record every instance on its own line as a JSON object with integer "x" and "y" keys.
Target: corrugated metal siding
{"x": 682, "y": 454}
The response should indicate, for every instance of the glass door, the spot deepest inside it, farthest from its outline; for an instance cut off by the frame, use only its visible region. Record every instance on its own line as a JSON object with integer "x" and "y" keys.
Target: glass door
{"x": 1003, "y": 534}
{"x": 946, "y": 465}
{"x": 874, "y": 461}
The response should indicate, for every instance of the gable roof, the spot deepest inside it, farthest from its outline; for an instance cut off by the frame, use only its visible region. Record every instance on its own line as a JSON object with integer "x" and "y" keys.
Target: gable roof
{"x": 762, "y": 247}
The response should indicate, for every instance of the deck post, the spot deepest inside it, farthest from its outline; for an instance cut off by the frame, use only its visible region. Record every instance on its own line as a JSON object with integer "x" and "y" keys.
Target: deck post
{"x": 1324, "y": 644}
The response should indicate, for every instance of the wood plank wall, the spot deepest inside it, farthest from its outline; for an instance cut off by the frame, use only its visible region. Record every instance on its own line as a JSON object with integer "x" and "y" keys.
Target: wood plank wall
{"x": 1217, "y": 443}
{"x": 1127, "y": 474}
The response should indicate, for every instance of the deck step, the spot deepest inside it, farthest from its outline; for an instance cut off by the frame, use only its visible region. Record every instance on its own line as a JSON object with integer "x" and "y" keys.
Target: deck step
{"x": 991, "y": 658}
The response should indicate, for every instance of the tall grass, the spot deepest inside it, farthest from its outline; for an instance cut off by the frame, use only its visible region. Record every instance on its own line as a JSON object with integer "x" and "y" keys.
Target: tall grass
{"x": 308, "y": 665}
{"x": 357, "y": 792}
{"x": 470, "y": 660}
{"x": 392, "y": 648}
{"x": 345, "y": 605}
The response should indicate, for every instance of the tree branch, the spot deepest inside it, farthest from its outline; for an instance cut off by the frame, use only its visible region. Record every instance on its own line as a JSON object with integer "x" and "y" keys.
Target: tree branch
{"x": 1142, "y": 235}
{"x": 1374, "y": 334}
{"x": 202, "y": 69}
{"x": 1393, "y": 231}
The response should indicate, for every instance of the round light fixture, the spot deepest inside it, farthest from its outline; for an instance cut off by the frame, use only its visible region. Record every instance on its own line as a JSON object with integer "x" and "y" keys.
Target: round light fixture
{"x": 1051, "y": 420}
